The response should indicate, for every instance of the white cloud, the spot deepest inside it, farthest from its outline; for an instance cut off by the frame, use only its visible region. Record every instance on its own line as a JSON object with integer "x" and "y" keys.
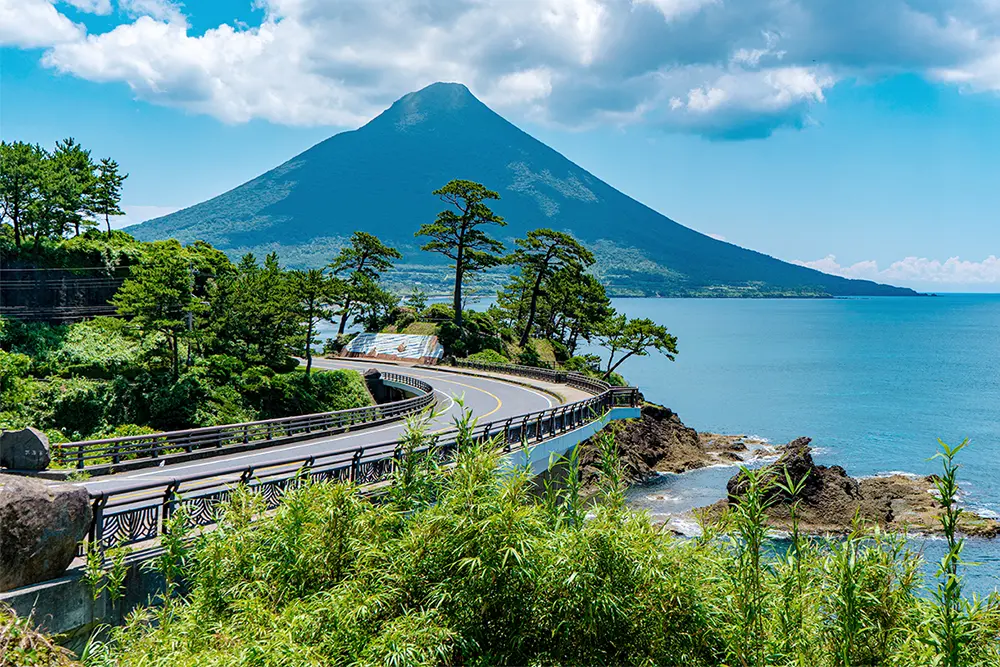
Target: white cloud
{"x": 91, "y": 6}
{"x": 721, "y": 69}
{"x": 717, "y": 237}
{"x": 672, "y": 9}
{"x": 162, "y": 10}
{"x": 33, "y": 23}
{"x": 917, "y": 271}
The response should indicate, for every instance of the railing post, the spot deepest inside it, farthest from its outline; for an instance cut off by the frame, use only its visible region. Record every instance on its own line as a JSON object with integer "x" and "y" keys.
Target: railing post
{"x": 79, "y": 456}
{"x": 356, "y": 464}
{"x": 167, "y": 507}
{"x": 97, "y": 524}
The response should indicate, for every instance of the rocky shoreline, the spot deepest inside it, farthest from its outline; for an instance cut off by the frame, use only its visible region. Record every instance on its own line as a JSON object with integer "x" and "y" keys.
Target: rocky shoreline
{"x": 659, "y": 442}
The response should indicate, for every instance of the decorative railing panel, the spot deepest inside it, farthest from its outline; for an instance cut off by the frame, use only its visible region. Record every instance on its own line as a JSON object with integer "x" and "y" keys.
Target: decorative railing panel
{"x": 110, "y": 451}
{"x": 573, "y": 379}
{"x": 139, "y": 512}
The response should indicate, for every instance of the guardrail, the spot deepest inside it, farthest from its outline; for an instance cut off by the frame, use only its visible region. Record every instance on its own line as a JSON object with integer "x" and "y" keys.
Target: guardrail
{"x": 113, "y": 451}
{"x": 141, "y": 512}
{"x": 573, "y": 379}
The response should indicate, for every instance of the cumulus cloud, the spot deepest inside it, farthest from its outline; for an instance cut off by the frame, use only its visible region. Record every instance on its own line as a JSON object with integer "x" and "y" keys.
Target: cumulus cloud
{"x": 721, "y": 69}
{"x": 91, "y": 6}
{"x": 915, "y": 271}
{"x": 30, "y": 24}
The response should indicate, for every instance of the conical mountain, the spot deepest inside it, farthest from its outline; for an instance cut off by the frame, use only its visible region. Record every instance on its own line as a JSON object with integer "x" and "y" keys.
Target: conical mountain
{"x": 379, "y": 178}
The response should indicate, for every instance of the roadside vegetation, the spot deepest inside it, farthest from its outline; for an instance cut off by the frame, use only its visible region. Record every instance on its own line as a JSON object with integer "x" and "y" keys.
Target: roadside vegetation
{"x": 470, "y": 565}
{"x": 193, "y": 339}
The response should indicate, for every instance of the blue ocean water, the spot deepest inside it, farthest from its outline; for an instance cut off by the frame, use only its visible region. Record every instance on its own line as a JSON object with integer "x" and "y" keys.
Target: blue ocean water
{"x": 873, "y": 381}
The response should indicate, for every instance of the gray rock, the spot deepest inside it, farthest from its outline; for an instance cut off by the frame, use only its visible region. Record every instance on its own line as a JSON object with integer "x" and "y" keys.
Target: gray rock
{"x": 40, "y": 527}
{"x": 27, "y": 449}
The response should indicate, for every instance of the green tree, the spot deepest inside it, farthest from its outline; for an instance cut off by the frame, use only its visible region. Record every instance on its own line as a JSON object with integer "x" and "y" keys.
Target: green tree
{"x": 539, "y": 254}
{"x": 635, "y": 337}
{"x": 317, "y": 295}
{"x": 375, "y": 305}
{"x": 417, "y": 300}
{"x": 77, "y": 184}
{"x": 158, "y": 295}
{"x": 254, "y": 312}
{"x": 52, "y": 210}
{"x": 578, "y": 306}
{"x": 366, "y": 258}
{"x": 456, "y": 233}
{"x": 20, "y": 170}
{"x": 108, "y": 191}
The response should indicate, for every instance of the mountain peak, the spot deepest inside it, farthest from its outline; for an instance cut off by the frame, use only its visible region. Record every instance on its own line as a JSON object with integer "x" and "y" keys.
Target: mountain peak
{"x": 380, "y": 179}
{"x": 441, "y": 93}
{"x": 439, "y": 100}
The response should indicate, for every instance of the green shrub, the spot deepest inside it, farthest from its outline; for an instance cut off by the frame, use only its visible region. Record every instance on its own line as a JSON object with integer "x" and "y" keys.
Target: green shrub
{"x": 489, "y": 357}
{"x": 438, "y": 312}
{"x": 222, "y": 368}
{"x": 35, "y": 339}
{"x": 75, "y": 406}
{"x": 103, "y": 347}
{"x": 586, "y": 363}
{"x": 13, "y": 371}
{"x": 124, "y": 431}
{"x": 529, "y": 356}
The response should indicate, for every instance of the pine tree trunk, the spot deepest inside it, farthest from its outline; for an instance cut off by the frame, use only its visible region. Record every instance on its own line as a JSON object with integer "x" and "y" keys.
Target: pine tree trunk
{"x": 532, "y": 307}
{"x": 309, "y": 355}
{"x": 457, "y": 297}
{"x": 343, "y": 317}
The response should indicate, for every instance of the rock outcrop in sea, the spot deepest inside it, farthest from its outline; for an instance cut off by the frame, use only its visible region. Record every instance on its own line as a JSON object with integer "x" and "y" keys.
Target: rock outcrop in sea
{"x": 830, "y": 499}
{"x": 659, "y": 442}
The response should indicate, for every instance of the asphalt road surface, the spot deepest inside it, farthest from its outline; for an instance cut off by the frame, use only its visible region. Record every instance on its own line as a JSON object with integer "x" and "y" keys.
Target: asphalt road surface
{"x": 489, "y": 397}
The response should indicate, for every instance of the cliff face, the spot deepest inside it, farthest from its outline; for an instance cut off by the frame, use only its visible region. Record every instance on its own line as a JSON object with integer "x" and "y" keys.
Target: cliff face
{"x": 660, "y": 442}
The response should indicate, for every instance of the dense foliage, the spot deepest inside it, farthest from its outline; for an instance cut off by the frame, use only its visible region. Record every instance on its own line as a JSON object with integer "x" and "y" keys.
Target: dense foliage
{"x": 21, "y": 645}
{"x": 471, "y": 566}
{"x": 107, "y": 377}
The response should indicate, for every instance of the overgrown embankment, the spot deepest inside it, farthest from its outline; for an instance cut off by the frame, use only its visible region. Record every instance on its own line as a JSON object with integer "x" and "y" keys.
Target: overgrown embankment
{"x": 105, "y": 377}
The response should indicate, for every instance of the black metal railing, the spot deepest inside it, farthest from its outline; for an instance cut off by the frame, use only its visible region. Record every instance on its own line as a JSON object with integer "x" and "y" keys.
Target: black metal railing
{"x": 573, "y": 379}
{"x": 133, "y": 450}
{"x": 141, "y": 511}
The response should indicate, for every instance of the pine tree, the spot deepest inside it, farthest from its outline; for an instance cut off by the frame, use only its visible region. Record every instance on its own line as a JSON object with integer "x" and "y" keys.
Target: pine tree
{"x": 108, "y": 190}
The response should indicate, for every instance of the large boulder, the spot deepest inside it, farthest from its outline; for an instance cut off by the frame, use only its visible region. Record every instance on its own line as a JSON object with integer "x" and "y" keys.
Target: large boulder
{"x": 40, "y": 528}
{"x": 27, "y": 449}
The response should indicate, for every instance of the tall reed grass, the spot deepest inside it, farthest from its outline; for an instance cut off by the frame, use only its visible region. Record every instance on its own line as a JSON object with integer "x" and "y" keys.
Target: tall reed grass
{"x": 471, "y": 564}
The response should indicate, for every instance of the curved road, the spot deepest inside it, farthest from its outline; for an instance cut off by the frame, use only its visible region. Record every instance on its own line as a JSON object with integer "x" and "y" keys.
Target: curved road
{"x": 489, "y": 397}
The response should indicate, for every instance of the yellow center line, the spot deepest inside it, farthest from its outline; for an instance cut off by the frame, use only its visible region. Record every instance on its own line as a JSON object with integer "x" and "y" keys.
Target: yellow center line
{"x": 150, "y": 494}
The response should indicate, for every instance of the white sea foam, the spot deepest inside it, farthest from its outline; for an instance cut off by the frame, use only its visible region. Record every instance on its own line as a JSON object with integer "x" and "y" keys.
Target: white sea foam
{"x": 685, "y": 526}
{"x": 892, "y": 473}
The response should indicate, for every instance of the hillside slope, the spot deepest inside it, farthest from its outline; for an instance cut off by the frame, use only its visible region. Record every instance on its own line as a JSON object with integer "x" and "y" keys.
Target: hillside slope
{"x": 379, "y": 178}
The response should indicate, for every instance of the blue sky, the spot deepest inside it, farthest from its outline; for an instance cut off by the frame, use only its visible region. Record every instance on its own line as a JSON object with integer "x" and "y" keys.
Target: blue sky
{"x": 862, "y": 138}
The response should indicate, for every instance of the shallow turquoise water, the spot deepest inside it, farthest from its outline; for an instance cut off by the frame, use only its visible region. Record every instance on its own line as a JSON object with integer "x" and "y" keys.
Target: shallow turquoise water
{"x": 873, "y": 381}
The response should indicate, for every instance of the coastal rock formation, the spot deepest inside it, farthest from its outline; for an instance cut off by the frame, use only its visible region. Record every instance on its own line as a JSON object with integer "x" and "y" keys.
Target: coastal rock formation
{"x": 40, "y": 527}
{"x": 830, "y": 499}
{"x": 660, "y": 442}
{"x": 27, "y": 449}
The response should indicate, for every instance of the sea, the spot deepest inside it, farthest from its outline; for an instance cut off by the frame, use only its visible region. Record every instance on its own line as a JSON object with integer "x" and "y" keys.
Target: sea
{"x": 875, "y": 382}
